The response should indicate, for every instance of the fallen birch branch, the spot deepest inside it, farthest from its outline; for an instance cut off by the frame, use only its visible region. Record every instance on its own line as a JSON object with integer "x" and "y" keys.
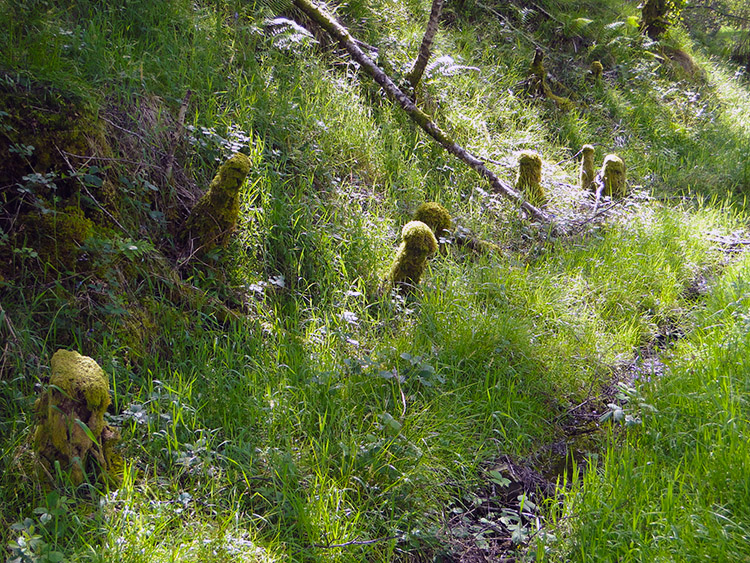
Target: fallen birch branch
{"x": 342, "y": 35}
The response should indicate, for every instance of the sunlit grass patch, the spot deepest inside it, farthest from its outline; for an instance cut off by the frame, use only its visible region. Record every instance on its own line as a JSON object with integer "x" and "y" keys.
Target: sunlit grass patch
{"x": 679, "y": 460}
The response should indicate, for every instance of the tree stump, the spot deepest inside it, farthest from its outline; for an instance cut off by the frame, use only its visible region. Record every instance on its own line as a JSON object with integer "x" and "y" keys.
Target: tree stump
{"x": 597, "y": 69}
{"x": 418, "y": 243}
{"x": 436, "y": 217}
{"x": 71, "y": 430}
{"x": 613, "y": 176}
{"x": 537, "y": 82}
{"x": 529, "y": 179}
{"x": 215, "y": 215}
{"x": 587, "y": 173}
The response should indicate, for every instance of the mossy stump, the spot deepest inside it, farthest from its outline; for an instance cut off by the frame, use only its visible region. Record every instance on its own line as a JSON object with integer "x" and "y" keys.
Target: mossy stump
{"x": 418, "y": 243}
{"x": 597, "y": 69}
{"x": 682, "y": 66}
{"x": 56, "y": 235}
{"x": 529, "y": 178}
{"x": 613, "y": 176}
{"x": 436, "y": 217}
{"x": 215, "y": 215}
{"x": 587, "y": 173}
{"x": 69, "y": 415}
{"x": 538, "y": 76}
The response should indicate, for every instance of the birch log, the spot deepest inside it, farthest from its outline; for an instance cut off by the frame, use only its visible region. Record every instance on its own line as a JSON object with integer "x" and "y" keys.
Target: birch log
{"x": 319, "y": 15}
{"x": 415, "y": 75}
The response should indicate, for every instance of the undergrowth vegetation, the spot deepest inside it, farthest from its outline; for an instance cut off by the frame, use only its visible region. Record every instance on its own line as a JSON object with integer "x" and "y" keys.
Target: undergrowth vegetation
{"x": 571, "y": 394}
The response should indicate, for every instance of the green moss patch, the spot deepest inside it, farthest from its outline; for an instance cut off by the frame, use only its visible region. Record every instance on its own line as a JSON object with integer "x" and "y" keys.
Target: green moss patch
{"x": 56, "y": 236}
{"x": 436, "y": 217}
{"x": 215, "y": 215}
{"x": 418, "y": 243}
{"x": 44, "y": 131}
{"x": 71, "y": 430}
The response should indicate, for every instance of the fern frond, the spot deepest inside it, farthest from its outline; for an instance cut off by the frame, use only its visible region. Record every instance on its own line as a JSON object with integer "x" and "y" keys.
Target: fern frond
{"x": 288, "y": 34}
{"x": 447, "y": 66}
{"x": 275, "y": 6}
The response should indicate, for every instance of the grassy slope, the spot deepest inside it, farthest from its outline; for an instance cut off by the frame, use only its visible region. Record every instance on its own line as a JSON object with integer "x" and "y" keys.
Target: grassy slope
{"x": 332, "y": 414}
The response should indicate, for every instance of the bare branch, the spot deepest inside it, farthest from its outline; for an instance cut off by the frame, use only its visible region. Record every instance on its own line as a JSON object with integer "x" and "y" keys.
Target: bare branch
{"x": 415, "y": 75}
{"x": 355, "y": 542}
{"x": 177, "y": 134}
{"x": 727, "y": 15}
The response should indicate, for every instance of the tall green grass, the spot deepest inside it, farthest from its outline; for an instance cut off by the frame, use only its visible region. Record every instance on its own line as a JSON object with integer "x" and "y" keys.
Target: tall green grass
{"x": 677, "y": 489}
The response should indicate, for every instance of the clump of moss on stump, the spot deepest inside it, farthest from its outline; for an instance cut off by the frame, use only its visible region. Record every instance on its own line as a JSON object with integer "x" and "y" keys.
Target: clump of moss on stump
{"x": 529, "y": 179}
{"x": 70, "y": 414}
{"x": 215, "y": 215}
{"x": 418, "y": 243}
{"x": 48, "y": 123}
{"x": 56, "y": 236}
{"x": 587, "y": 174}
{"x": 436, "y": 217}
{"x": 597, "y": 69}
{"x": 613, "y": 176}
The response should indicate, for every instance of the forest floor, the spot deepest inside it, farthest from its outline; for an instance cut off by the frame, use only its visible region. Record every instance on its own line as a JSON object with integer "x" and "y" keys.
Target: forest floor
{"x": 569, "y": 393}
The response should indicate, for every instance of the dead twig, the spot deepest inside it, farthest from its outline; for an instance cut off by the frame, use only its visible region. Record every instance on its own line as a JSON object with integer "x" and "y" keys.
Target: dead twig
{"x": 9, "y": 326}
{"x": 722, "y": 13}
{"x": 138, "y": 135}
{"x": 355, "y": 542}
{"x": 110, "y": 159}
{"x": 497, "y": 162}
{"x": 599, "y": 214}
{"x": 415, "y": 74}
{"x": 13, "y": 341}
{"x": 177, "y": 134}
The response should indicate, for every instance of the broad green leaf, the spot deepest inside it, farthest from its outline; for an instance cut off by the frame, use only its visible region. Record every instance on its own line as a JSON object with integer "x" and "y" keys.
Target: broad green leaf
{"x": 391, "y": 423}
{"x": 497, "y": 478}
{"x": 633, "y": 22}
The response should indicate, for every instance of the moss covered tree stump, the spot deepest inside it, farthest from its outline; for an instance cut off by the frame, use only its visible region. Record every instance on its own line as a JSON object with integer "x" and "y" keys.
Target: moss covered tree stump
{"x": 436, "y": 217}
{"x": 529, "y": 178}
{"x": 418, "y": 243}
{"x": 613, "y": 176}
{"x": 71, "y": 430}
{"x": 538, "y": 86}
{"x": 597, "y": 70}
{"x": 587, "y": 173}
{"x": 215, "y": 215}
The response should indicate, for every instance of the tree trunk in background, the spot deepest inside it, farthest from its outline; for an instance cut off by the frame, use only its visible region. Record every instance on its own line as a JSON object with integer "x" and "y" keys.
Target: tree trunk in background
{"x": 654, "y": 18}
{"x": 342, "y": 35}
{"x": 415, "y": 75}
